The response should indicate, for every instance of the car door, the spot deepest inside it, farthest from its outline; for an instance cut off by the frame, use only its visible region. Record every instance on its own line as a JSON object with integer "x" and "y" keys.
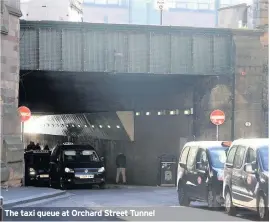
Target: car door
{"x": 191, "y": 177}
{"x": 181, "y": 171}
{"x": 249, "y": 181}
{"x": 237, "y": 181}
{"x": 201, "y": 168}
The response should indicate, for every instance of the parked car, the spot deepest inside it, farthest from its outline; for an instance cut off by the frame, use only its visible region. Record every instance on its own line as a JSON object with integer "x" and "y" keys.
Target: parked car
{"x": 246, "y": 177}
{"x": 200, "y": 172}
{"x": 73, "y": 164}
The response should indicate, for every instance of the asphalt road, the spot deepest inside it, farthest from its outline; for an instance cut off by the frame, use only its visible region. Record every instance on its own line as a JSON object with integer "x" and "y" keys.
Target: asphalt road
{"x": 161, "y": 202}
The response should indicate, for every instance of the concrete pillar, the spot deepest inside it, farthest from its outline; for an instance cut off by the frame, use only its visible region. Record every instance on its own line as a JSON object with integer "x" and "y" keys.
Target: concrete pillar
{"x": 10, "y": 141}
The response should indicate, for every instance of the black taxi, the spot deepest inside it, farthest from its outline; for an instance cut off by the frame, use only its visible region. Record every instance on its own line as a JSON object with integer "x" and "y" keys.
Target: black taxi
{"x": 36, "y": 167}
{"x": 246, "y": 177}
{"x": 76, "y": 165}
{"x": 200, "y": 172}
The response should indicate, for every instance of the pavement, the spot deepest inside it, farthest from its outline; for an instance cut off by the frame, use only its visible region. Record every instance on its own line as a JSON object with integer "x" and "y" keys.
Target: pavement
{"x": 23, "y": 195}
{"x": 92, "y": 205}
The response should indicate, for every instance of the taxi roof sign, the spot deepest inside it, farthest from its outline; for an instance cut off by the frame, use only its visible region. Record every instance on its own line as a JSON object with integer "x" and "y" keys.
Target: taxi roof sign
{"x": 41, "y": 151}
{"x": 226, "y": 143}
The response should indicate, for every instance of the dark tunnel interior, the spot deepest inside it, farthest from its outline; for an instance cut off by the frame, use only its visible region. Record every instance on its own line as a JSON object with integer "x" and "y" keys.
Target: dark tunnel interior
{"x": 81, "y": 92}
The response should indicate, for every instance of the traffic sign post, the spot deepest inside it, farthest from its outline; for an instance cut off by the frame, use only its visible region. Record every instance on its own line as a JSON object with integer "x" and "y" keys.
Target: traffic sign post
{"x": 217, "y": 117}
{"x": 161, "y": 5}
{"x": 25, "y": 115}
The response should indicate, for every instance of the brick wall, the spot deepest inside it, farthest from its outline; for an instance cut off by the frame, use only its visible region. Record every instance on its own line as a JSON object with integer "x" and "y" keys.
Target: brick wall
{"x": 11, "y": 146}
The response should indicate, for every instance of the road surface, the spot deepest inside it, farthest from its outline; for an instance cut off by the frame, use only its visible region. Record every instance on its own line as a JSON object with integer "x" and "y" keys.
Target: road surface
{"x": 162, "y": 202}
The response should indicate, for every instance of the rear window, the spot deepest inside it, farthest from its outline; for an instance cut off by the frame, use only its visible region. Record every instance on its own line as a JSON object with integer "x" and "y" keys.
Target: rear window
{"x": 218, "y": 156}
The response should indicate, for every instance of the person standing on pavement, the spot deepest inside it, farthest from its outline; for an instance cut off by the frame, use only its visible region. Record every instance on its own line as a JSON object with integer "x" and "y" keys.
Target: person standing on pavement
{"x": 121, "y": 167}
{"x": 46, "y": 147}
{"x": 37, "y": 147}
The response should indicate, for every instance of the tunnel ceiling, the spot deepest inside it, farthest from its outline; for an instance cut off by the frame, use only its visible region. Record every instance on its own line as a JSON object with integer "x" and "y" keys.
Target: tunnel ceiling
{"x": 98, "y": 125}
{"x": 71, "y": 92}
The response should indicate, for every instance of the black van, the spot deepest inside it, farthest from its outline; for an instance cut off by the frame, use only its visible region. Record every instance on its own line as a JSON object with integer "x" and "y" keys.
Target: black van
{"x": 200, "y": 172}
{"x": 36, "y": 167}
{"x": 76, "y": 165}
{"x": 246, "y": 176}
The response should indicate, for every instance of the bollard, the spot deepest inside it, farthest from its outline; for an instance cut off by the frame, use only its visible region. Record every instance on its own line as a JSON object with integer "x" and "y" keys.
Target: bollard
{"x": 1, "y": 208}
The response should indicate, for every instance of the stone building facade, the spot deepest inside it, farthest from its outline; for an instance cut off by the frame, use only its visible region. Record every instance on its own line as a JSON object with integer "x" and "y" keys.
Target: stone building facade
{"x": 10, "y": 141}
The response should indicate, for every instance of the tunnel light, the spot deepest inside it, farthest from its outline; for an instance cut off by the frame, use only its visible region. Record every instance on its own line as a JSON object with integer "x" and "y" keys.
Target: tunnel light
{"x": 137, "y": 113}
{"x": 85, "y": 126}
{"x": 79, "y": 126}
{"x": 100, "y": 126}
{"x": 118, "y": 127}
{"x": 73, "y": 126}
{"x": 159, "y": 113}
{"x": 172, "y": 112}
{"x": 187, "y": 112}
{"x": 147, "y": 113}
{"x": 109, "y": 126}
{"x": 67, "y": 125}
{"x": 93, "y": 126}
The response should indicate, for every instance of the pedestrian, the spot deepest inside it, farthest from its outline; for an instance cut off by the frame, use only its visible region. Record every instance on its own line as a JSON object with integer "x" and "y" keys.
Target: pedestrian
{"x": 46, "y": 147}
{"x": 30, "y": 146}
{"x": 37, "y": 147}
{"x": 121, "y": 168}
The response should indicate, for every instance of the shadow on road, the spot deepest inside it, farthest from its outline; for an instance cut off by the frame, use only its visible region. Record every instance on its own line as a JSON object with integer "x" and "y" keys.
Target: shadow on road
{"x": 241, "y": 213}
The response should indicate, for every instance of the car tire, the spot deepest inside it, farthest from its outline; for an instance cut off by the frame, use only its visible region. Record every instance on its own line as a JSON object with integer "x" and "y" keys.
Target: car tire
{"x": 62, "y": 184}
{"x": 102, "y": 186}
{"x": 182, "y": 195}
{"x": 262, "y": 209}
{"x": 212, "y": 200}
{"x": 229, "y": 207}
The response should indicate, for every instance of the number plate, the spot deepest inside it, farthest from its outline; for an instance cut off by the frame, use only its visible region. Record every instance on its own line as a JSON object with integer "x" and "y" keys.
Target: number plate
{"x": 86, "y": 176}
{"x": 44, "y": 176}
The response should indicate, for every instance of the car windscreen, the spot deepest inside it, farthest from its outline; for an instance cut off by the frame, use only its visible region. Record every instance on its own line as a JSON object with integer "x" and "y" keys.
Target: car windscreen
{"x": 81, "y": 156}
{"x": 218, "y": 156}
{"x": 39, "y": 160}
{"x": 263, "y": 153}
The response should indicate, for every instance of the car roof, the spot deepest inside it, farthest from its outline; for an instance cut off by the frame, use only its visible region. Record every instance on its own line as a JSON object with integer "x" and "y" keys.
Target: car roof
{"x": 254, "y": 143}
{"x": 205, "y": 144}
{"x": 75, "y": 147}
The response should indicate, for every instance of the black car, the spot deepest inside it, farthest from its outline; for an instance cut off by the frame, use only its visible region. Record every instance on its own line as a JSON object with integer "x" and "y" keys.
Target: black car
{"x": 36, "y": 167}
{"x": 200, "y": 172}
{"x": 246, "y": 177}
{"x": 76, "y": 165}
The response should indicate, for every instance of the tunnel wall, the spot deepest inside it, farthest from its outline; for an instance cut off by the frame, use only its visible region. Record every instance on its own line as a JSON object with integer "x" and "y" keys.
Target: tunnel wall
{"x": 10, "y": 131}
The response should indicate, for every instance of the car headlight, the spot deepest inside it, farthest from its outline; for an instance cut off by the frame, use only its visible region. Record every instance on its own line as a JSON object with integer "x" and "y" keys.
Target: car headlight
{"x": 32, "y": 171}
{"x": 101, "y": 169}
{"x": 68, "y": 170}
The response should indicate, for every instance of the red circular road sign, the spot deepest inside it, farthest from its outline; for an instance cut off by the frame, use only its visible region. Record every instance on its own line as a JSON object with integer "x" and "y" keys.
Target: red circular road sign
{"x": 24, "y": 113}
{"x": 217, "y": 117}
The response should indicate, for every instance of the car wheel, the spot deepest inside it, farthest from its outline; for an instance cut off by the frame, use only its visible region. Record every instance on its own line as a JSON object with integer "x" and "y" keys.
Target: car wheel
{"x": 62, "y": 184}
{"x": 212, "y": 200}
{"x": 262, "y": 209}
{"x": 229, "y": 208}
{"x": 102, "y": 186}
{"x": 182, "y": 195}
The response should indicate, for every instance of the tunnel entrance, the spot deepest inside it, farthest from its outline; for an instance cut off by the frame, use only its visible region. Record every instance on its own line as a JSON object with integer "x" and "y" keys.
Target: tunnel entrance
{"x": 143, "y": 116}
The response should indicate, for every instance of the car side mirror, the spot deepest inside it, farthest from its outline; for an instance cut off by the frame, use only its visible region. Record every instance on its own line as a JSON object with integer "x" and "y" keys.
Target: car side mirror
{"x": 183, "y": 165}
{"x": 249, "y": 168}
{"x": 102, "y": 158}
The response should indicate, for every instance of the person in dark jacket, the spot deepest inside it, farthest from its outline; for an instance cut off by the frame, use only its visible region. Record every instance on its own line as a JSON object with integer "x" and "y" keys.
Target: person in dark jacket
{"x": 46, "y": 147}
{"x": 37, "y": 147}
{"x": 30, "y": 146}
{"x": 121, "y": 167}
